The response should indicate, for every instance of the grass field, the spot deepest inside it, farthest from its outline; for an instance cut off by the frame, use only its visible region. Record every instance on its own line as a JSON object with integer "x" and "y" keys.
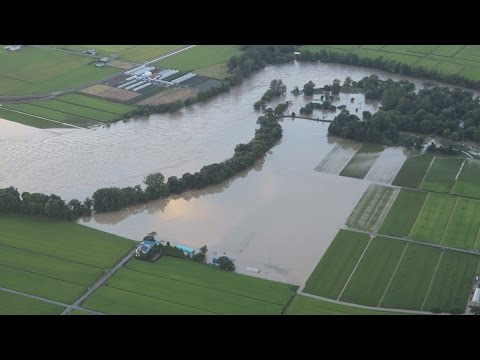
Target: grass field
{"x": 135, "y": 53}
{"x": 441, "y": 175}
{"x": 468, "y": 183}
{"x": 91, "y": 102}
{"x": 433, "y": 218}
{"x": 413, "y": 170}
{"x": 336, "y": 265}
{"x": 453, "y": 281}
{"x": 175, "y": 286}
{"x": 29, "y": 120}
{"x": 464, "y": 223}
{"x": 303, "y": 305}
{"x": 12, "y": 304}
{"x": 370, "y": 279}
{"x": 53, "y": 259}
{"x": 77, "y": 110}
{"x": 372, "y": 208}
{"x": 449, "y": 59}
{"x": 80, "y": 312}
{"x": 403, "y": 213}
{"x": 200, "y": 57}
{"x": 362, "y": 161}
{"x": 34, "y": 109}
{"x": 35, "y": 70}
{"x": 410, "y": 284}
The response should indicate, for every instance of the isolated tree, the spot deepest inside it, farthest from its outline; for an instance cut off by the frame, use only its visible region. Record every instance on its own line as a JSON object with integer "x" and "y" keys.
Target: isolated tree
{"x": 226, "y": 264}
{"x": 475, "y": 309}
{"x": 204, "y": 249}
{"x": 308, "y": 88}
{"x": 296, "y": 91}
{"x": 336, "y": 86}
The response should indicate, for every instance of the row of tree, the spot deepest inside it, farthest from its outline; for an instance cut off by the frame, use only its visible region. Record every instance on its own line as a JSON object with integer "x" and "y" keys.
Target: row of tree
{"x": 36, "y": 204}
{"x": 388, "y": 65}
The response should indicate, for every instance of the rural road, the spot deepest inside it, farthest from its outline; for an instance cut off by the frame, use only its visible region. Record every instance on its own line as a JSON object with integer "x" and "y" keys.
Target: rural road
{"x": 47, "y": 300}
{"x": 364, "y": 306}
{"x": 99, "y": 283}
{"x": 443, "y": 247}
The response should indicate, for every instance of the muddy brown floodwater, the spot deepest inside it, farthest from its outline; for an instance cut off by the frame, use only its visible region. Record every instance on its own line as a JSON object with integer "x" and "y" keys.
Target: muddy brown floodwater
{"x": 278, "y": 217}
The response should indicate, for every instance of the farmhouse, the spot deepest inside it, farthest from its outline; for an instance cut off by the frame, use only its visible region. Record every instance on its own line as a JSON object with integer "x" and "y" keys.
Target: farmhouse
{"x": 148, "y": 250}
{"x": 104, "y": 59}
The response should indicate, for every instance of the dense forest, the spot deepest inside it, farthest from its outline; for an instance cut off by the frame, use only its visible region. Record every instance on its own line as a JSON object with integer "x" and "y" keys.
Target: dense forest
{"x": 438, "y": 110}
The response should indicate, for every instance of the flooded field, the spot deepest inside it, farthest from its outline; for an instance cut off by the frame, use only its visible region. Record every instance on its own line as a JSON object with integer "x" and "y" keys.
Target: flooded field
{"x": 279, "y": 217}
{"x": 387, "y": 165}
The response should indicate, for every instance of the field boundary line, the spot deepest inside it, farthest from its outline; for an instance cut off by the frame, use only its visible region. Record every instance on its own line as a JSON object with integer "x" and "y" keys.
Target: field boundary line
{"x": 428, "y": 169}
{"x": 393, "y": 274}
{"x": 436, "y": 245}
{"x": 431, "y": 281}
{"x": 41, "y": 117}
{"x": 418, "y": 215}
{"x": 448, "y": 221}
{"x": 204, "y": 287}
{"x": 47, "y": 276}
{"x": 458, "y": 173}
{"x": 75, "y": 115}
{"x": 158, "y": 298}
{"x": 355, "y": 268}
{"x": 87, "y": 107}
{"x": 386, "y": 210}
{"x": 99, "y": 282}
{"x": 40, "y": 298}
{"x": 51, "y": 256}
{"x": 362, "y": 306}
{"x": 476, "y": 238}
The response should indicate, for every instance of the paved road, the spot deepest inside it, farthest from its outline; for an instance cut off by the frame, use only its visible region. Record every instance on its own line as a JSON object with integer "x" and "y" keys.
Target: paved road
{"x": 165, "y": 56}
{"x": 99, "y": 283}
{"x": 47, "y": 300}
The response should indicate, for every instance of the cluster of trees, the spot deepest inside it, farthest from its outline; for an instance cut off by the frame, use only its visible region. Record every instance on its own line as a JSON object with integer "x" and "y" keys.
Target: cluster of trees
{"x": 253, "y": 58}
{"x": 387, "y": 65}
{"x": 325, "y": 105}
{"x": 277, "y": 88}
{"x": 245, "y": 155}
{"x": 36, "y": 204}
{"x": 439, "y": 110}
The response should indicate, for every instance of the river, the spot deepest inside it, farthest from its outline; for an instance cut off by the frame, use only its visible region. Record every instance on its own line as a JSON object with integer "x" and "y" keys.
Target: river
{"x": 279, "y": 217}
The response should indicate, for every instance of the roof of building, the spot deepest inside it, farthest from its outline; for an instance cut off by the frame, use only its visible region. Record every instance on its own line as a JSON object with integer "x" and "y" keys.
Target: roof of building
{"x": 150, "y": 243}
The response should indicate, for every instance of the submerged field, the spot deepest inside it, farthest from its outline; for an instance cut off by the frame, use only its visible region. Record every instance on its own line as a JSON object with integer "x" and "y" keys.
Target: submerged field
{"x": 338, "y": 158}
{"x": 372, "y": 208}
{"x": 54, "y": 259}
{"x": 362, "y": 161}
{"x": 175, "y": 286}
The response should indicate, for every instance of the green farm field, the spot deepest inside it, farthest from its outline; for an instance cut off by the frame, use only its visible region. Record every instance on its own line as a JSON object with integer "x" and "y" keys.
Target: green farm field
{"x": 28, "y": 120}
{"x": 441, "y": 175}
{"x": 409, "y": 286}
{"x": 34, "y": 70}
{"x": 77, "y": 110}
{"x": 433, "y": 218}
{"x": 453, "y": 281}
{"x": 175, "y": 286}
{"x": 200, "y": 57}
{"x": 403, "y": 213}
{"x": 303, "y": 305}
{"x": 462, "y": 229}
{"x": 54, "y": 259}
{"x": 98, "y": 104}
{"x": 362, "y": 161}
{"x": 372, "y": 208}
{"x": 449, "y": 59}
{"x": 13, "y": 304}
{"x": 468, "y": 183}
{"x": 135, "y": 53}
{"x": 371, "y": 277}
{"x": 336, "y": 265}
{"x": 413, "y": 171}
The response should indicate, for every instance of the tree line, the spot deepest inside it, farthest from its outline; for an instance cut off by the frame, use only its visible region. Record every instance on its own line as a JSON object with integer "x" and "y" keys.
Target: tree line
{"x": 330, "y": 56}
